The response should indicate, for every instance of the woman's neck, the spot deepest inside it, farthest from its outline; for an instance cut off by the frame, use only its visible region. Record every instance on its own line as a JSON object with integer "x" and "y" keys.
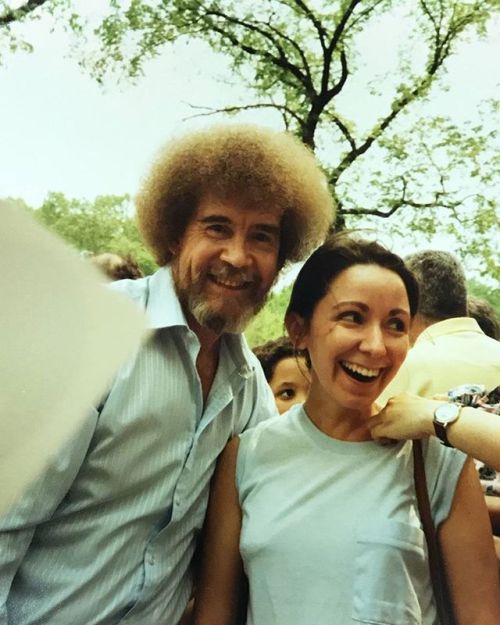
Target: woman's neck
{"x": 339, "y": 422}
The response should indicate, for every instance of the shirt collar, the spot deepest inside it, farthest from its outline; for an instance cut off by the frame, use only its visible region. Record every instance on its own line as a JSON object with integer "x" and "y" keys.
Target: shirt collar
{"x": 449, "y": 326}
{"x": 163, "y": 309}
{"x": 240, "y": 353}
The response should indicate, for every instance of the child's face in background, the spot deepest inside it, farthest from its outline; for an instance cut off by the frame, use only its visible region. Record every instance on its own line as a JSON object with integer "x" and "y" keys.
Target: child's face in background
{"x": 290, "y": 382}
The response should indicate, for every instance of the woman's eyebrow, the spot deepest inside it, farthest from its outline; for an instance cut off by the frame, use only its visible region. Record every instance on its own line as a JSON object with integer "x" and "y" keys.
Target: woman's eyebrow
{"x": 399, "y": 311}
{"x": 344, "y": 303}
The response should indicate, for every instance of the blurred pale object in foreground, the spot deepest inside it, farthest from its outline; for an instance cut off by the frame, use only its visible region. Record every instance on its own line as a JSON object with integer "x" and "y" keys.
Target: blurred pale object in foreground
{"x": 62, "y": 337}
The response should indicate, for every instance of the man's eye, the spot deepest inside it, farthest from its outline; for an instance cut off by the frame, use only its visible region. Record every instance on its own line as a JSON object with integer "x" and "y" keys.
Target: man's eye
{"x": 217, "y": 230}
{"x": 286, "y": 393}
{"x": 266, "y": 237}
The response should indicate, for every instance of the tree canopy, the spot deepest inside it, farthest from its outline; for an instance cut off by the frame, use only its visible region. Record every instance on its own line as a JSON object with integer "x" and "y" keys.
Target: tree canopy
{"x": 12, "y": 13}
{"x": 394, "y": 162}
{"x": 304, "y": 60}
{"x": 104, "y": 225}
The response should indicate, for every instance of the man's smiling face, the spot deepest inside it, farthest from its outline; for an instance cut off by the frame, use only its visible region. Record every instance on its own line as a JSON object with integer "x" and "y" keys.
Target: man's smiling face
{"x": 225, "y": 263}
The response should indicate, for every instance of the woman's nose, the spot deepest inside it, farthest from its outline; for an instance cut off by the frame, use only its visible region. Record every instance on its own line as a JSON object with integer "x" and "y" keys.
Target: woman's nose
{"x": 373, "y": 341}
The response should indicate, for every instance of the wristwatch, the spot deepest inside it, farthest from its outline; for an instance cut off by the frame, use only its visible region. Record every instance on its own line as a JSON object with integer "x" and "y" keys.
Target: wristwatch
{"x": 444, "y": 415}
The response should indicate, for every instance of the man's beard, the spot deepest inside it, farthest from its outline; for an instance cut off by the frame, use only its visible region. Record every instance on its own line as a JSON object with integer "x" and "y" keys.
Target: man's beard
{"x": 198, "y": 304}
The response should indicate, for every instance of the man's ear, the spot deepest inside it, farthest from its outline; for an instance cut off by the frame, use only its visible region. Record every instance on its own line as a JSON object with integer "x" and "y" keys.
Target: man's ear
{"x": 296, "y": 328}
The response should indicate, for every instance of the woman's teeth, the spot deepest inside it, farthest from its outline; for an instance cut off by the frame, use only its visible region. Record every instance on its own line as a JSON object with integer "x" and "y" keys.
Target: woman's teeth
{"x": 362, "y": 374}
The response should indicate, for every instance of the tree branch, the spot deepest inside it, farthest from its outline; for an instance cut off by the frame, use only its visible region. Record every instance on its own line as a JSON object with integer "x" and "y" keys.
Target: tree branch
{"x": 209, "y": 111}
{"x": 398, "y": 105}
{"x": 280, "y": 61}
{"x": 337, "y": 88}
{"x": 340, "y": 28}
{"x": 343, "y": 129}
{"x": 365, "y": 13}
{"x": 404, "y": 201}
{"x": 295, "y": 45}
{"x": 320, "y": 29}
{"x": 15, "y": 15}
{"x": 328, "y": 52}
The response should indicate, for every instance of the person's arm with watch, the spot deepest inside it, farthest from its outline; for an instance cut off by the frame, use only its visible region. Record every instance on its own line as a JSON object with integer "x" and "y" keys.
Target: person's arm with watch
{"x": 472, "y": 430}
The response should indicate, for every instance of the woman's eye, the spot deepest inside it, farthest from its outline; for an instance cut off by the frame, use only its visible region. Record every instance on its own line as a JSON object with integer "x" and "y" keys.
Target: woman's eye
{"x": 397, "y": 324}
{"x": 352, "y": 315}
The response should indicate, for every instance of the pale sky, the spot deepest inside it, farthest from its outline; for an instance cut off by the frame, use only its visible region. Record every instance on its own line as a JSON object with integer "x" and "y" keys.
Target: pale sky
{"x": 61, "y": 131}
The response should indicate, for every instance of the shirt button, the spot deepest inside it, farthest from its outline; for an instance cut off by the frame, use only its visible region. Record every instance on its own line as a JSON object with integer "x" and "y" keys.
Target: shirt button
{"x": 151, "y": 559}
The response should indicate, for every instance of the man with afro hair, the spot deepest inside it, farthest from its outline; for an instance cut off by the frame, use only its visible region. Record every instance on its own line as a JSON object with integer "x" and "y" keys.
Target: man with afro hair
{"x": 108, "y": 534}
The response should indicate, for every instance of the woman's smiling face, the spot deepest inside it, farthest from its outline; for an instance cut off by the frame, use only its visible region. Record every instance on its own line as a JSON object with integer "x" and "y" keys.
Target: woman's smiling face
{"x": 358, "y": 335}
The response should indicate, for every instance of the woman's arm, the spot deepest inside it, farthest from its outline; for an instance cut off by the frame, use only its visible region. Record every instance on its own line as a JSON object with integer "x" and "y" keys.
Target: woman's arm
{"x": 476, "y": 432}
{"x": 218, "y": 594}
{"x": 493, "y": 505}
{"x": 469, "y": 556}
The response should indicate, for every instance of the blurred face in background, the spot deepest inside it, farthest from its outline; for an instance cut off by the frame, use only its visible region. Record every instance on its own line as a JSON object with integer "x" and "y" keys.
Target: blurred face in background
{"x": 290, "y": 382}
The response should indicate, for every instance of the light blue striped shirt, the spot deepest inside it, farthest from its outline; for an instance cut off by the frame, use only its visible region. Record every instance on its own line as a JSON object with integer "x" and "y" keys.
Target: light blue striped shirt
{"x": 107, "y": 534}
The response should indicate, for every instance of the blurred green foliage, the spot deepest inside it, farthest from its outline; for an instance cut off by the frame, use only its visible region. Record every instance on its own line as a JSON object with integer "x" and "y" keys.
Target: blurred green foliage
{"x": 104, "y": 225}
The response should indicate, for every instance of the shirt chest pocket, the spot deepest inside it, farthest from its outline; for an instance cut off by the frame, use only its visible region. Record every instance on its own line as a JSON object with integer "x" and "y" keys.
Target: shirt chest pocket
{"x": 389, "y": 568}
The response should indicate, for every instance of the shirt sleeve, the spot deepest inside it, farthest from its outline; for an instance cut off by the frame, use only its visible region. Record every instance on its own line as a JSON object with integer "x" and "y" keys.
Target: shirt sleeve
{"x": 264, "y": 404}
{"x": 443, "y": 467}
{"x": 37, "y": 505}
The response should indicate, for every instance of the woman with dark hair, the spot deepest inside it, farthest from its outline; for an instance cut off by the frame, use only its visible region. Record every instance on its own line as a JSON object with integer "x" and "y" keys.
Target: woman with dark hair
{"x": 321, "y": 520}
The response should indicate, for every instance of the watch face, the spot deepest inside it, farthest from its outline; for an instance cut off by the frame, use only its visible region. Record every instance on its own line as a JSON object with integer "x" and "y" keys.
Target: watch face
{"x": 446, "y": 413}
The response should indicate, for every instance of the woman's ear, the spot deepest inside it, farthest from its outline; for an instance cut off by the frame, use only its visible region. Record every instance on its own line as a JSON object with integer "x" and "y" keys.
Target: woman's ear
{"x": 296, "y": 328}
{"x": 173, "y": 248}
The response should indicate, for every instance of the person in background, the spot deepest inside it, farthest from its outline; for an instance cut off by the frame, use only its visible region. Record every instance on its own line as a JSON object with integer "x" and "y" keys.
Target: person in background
{"x": 485, "y": 315}
{"x": 449, "y": 348}
{"x": 321, "y": 520}
{"x": 286, "y": 371}
{"x": 107, "y": 534}
{"x": 117, "y": 267}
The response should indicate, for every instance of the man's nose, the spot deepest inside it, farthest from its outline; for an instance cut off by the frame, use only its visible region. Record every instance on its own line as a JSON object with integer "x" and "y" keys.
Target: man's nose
{"x": 236, "y": 252}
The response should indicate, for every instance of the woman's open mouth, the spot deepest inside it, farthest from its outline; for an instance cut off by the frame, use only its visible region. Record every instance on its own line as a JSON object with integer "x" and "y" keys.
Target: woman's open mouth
{"x": 359, "y": 373}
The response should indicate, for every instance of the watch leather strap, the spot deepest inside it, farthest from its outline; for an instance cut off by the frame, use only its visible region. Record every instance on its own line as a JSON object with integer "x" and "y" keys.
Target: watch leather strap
{"x": 441, "y": 426}
{"x": 442, "y": 434}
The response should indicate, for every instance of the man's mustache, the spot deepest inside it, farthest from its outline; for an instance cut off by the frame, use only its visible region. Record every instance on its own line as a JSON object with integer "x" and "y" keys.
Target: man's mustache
{"x": 228, "y": 272}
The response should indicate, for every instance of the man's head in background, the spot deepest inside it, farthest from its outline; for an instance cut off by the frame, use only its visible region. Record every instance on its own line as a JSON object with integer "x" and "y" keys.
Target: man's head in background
{"x": 117, "y": 267}
{"x": 442, "y": 287}
{"x": 485, "y": 315}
